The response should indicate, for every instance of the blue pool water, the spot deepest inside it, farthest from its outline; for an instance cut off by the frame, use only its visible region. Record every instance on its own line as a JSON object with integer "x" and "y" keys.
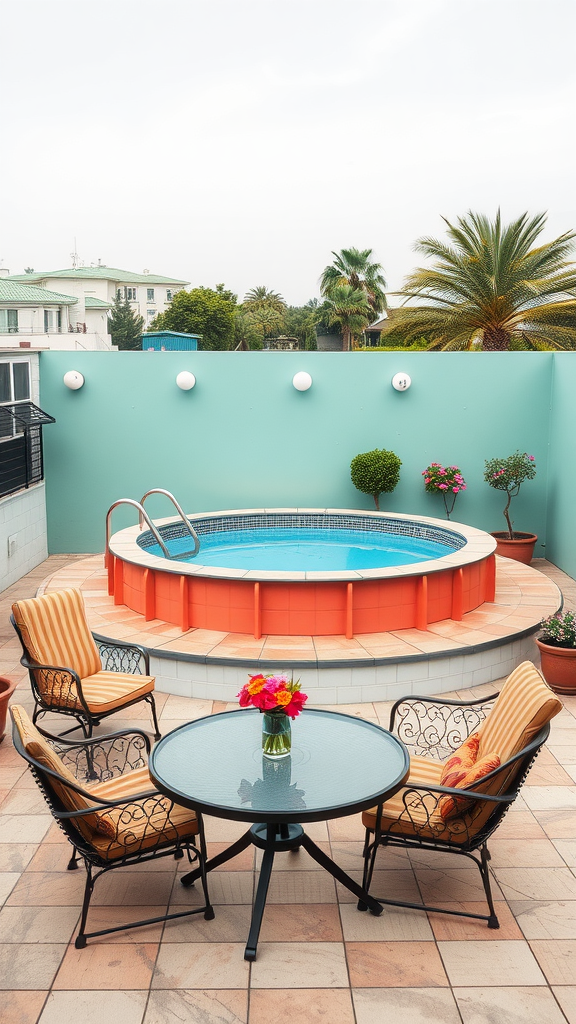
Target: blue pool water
{"x": 299, "y": 549}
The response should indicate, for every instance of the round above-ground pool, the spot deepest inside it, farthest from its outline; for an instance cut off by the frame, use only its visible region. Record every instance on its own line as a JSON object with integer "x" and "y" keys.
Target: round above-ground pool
{"x": 304, "y": 571}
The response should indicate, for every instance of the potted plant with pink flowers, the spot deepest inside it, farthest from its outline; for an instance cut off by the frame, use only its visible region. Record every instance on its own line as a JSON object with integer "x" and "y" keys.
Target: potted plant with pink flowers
{"x": 445, "y": 480}
{"x": 508, "y": 475}
{"x": 280, "y": 700}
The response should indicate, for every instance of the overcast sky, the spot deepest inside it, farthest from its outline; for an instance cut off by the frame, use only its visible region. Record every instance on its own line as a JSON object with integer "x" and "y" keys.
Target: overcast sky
{"x": 243, "y": 140}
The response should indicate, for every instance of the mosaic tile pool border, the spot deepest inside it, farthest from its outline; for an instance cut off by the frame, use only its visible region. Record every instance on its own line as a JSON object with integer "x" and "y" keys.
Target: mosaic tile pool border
{"x": 313, "y": 521}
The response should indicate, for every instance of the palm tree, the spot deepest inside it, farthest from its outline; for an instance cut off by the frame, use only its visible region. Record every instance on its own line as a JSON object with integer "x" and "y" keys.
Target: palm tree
{"x": 349, "y": 308}
{"x": 491, "y": 288}
{"x": 260, "y": 297}
{"x": 353, "y": 267}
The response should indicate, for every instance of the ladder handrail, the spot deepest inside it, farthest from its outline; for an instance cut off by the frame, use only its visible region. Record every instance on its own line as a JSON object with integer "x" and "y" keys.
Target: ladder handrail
{"x": 143, "y": 515}
{"x": 185, "y": 520}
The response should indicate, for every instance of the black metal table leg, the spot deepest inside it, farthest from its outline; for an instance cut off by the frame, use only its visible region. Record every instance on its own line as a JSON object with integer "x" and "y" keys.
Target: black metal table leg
{"x": 373, "y": 906}
{"x": 261, "y": 893}
{"x": 219, "y": 859}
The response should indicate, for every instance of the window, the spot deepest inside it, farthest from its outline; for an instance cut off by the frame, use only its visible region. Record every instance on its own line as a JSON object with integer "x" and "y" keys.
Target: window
{"x": 151, "y": 313}
{"x": 150, "y": 295}
{"x": 9, "y": 321}
{"x": 168, "y": 295}
{"x": 48, "y": 320}
{"x": 14, "y": 387}
{"x": 131, "y": 294}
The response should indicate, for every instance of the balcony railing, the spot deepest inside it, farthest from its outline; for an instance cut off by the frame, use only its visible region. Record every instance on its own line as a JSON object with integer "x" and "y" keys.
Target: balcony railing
{"x": 71, "y": 329}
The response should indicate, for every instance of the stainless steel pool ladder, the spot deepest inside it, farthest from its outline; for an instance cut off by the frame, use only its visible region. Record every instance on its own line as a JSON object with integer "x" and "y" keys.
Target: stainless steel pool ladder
{"x": 142, "y": 514}
{"x": 183, "y": 517}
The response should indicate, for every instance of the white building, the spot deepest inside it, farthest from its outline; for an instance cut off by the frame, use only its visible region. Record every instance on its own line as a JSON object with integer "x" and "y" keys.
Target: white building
{"x": 34, "y": 317}
{"x": 23, "y": 539}
{"x": 148, "y": 294}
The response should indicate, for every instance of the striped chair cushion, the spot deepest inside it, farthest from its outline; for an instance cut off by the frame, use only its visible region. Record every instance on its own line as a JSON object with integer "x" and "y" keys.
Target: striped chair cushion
{"x": 523, "y": 707}
{"x": 108, "y": 690}
{"x": 55, "y": 631}
{"x": 138, "y": 826}
{"x": 37, "y": 747}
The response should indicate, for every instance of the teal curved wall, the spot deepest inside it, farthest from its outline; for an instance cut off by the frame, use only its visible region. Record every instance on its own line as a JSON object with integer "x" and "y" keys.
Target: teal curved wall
{"x": 244, "y": 437}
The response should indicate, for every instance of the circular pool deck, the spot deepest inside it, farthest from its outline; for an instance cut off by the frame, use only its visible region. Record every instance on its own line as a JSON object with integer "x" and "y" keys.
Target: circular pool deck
{"x": 485, "y": 645}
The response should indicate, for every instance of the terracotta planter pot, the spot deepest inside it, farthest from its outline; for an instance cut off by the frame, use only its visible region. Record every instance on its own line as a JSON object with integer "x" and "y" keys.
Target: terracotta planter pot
{"x": 7, "y": 688}
{"x": 559, "y": 667}
{"x": 521, "y": 548}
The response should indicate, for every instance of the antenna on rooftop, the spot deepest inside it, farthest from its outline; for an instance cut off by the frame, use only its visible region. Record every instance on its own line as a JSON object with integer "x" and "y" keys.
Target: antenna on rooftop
{"x": 75, "y": 257}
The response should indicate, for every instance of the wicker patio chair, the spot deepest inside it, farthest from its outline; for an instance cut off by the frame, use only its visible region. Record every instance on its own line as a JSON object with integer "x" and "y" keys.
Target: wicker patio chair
{"x": 73, "y": 674}
{"x": 428, "y": 815}
{"x": 120, "y": 820}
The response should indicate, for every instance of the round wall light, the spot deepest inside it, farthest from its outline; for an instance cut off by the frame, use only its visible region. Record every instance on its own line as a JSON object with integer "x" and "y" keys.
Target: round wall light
{"x": 302, "y": 381}
{"x": 73, "y": 380}
{"x": 401, "y": 381}
{"x": 185, "y": 380}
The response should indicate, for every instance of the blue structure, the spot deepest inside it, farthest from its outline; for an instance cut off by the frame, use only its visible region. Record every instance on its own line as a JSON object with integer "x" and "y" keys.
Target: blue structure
{"x": 170, "y": 341}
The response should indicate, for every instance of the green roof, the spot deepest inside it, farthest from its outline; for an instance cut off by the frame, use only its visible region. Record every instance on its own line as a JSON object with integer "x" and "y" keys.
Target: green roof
{"x": 10, "y": 291}
{"x": 91, "y": 302}
{"x": 98, "y": 273}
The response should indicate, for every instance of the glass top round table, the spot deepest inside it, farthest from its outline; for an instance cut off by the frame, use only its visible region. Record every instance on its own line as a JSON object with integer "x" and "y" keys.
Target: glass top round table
{"x": 337, "y": 765}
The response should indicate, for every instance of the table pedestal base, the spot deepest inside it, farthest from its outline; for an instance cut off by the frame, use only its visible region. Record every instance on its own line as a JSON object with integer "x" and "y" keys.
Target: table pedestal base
{"x": 272, "y": 838}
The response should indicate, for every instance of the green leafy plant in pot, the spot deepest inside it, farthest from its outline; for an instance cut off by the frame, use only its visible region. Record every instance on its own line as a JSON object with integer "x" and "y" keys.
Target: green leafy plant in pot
{"x": 375, "y": 473}
{"x": 508, "y": 475}
{"x": 557, "y": 645}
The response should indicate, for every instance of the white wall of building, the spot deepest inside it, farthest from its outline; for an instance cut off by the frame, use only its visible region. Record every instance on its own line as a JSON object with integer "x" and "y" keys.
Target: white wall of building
{"x": 23, "y": 539}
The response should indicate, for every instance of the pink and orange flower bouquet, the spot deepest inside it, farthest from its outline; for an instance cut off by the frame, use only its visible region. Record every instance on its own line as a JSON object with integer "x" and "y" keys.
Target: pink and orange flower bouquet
{"x": 279, "y": 699}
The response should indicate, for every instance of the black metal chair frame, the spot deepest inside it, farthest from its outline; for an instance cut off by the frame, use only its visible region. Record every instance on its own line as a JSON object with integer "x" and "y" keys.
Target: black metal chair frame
{"x": 443, "y": 731}
{"x": 116, "y": 656}
{"x": 105, "y": 756}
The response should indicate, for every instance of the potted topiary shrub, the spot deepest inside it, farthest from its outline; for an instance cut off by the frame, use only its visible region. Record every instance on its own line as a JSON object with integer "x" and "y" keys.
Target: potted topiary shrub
{"x": 7, "y": 688}
{"x": 508, "y": 475}
{"x": 445, "y": 480}
{"x": 557, "y": 645}
{"x": 375, "y": 473}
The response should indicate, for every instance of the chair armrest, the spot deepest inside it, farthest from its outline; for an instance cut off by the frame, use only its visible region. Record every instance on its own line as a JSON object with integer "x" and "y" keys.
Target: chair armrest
{"x": 58, "y": 680}
{"x": 118, "y": 656}
{"x": 436, "y": 727}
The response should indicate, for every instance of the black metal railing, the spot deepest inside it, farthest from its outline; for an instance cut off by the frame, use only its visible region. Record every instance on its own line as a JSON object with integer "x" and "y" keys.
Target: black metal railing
{"x": 21, "y": 456}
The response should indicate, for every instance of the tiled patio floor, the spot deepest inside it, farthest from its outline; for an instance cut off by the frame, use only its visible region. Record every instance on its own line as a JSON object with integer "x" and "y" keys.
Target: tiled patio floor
{"x": 319, "y": 960}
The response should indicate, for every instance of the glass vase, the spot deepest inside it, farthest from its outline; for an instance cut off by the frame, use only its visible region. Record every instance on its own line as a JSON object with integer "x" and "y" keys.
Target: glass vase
{"x": 276, "y": 734}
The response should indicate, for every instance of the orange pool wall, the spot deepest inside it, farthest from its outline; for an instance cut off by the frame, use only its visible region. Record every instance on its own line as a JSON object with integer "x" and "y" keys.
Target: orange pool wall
{"x": 322, "y": 608}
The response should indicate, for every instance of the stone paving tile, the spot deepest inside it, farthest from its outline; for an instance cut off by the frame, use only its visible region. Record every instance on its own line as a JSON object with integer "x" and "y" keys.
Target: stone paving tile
{"x": 109, "y": 965}
{"x": 22, "y": 1007}
{"x": 212, "y": 1006}
{"x": 490, "y": 963}
{"x": 94, "y": 1007}
{"x": 405, "y": 1006}
{"x": 290, "y": 964}
{"x": 553, "y": 919}
{"x": 24, "y": 966}
{"x": 395, "y": 964}
{"x": 201, "y": 965}
{"x": 300, "y": 1006}
{"x": 556, "y": 958}
{"x": 510, "y": 1005}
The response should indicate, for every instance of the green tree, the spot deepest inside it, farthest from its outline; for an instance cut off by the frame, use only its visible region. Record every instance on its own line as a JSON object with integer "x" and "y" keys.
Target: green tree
{"x": 354, "y": 267}
{"x": 300, "y": 322}
{"x": 491, "y": 288}
{"x": 200, "y": 311}
{"x": 264, "y": 311}
{"x": 125, "y": 325}
{"x": 375, "y": 472}
{"x": 347, "y": 308}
